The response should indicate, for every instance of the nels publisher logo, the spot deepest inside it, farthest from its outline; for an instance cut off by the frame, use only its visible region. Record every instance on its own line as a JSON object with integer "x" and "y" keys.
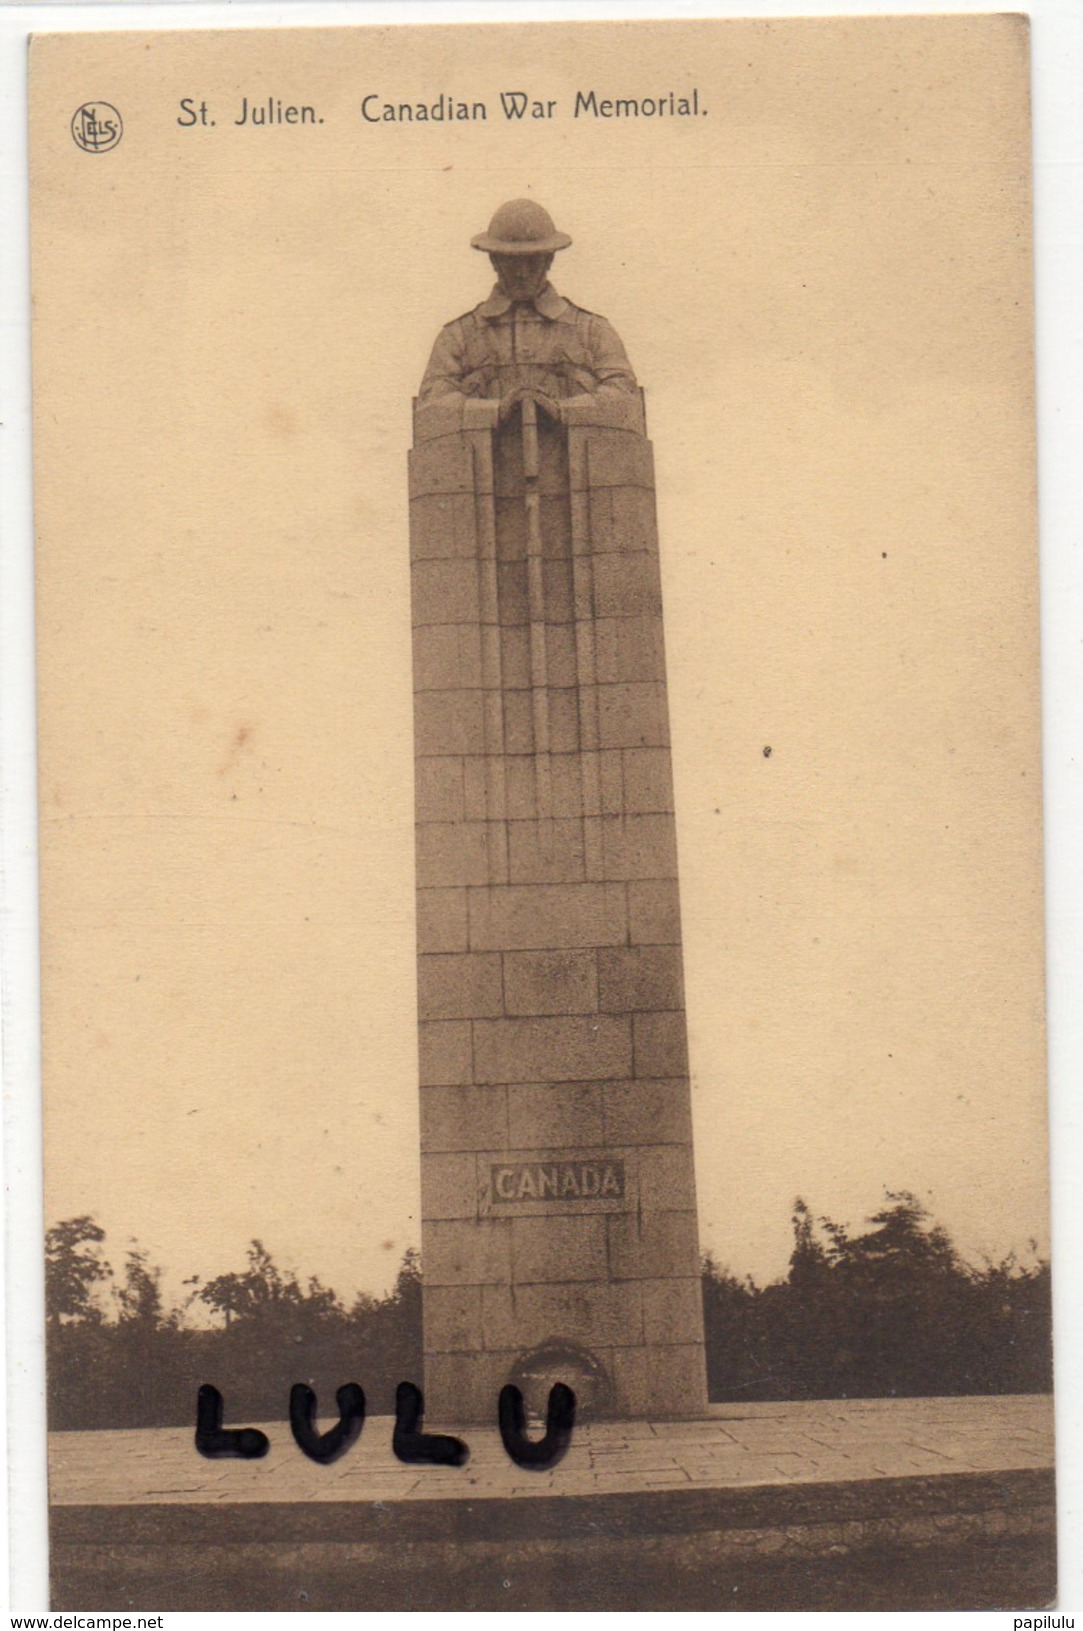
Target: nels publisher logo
{"x": 96, "y": 127}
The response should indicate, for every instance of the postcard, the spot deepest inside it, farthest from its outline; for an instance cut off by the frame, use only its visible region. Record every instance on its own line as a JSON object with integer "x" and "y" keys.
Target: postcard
{"x": 540, "y": 799}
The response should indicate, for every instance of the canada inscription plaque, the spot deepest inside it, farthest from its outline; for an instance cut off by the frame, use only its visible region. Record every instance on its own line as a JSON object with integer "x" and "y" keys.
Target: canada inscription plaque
{"x": 581, "y": 1180}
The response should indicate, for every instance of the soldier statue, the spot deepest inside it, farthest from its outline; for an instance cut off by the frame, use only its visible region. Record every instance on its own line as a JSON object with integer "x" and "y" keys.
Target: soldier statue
{"x": 527, "y": 342}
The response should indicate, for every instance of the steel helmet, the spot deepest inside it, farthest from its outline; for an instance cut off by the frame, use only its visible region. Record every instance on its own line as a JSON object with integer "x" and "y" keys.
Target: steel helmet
{"x": 521, "y": 227}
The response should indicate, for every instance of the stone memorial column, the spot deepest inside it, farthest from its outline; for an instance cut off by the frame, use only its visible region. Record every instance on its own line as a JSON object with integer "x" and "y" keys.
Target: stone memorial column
{"x": 558, "y": 1209}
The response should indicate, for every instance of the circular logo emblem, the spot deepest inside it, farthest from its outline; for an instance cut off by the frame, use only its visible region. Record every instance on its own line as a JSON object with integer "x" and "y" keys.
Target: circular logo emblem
{"x": 96, "y": 127}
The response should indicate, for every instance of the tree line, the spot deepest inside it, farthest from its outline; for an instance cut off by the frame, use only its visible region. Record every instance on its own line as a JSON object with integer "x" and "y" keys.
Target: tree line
{"x": 117, "y": 1357}
{"x": 892, "y": 1310}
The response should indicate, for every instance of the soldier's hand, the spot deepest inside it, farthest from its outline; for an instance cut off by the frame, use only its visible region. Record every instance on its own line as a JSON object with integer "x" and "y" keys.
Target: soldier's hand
{"x": 528, "y": 393}
{"x": 548, "y": 404}
{"x": 509, "y": 403}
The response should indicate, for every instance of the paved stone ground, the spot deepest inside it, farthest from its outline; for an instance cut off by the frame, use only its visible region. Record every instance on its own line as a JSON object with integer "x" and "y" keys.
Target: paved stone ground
{"x": 739, "y": 1446}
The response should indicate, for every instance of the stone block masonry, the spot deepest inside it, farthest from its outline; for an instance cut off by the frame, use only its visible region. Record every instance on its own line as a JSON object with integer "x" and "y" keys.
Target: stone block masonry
{"x": 558, "y": 1202}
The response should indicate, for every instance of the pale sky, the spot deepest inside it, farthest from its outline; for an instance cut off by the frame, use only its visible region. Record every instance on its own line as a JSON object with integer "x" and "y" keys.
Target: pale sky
{"x": 823, "y": 286}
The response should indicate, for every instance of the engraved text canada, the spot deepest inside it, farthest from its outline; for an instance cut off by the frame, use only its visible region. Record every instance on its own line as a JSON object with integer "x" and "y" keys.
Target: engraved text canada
{"x": 577, "y": 1180}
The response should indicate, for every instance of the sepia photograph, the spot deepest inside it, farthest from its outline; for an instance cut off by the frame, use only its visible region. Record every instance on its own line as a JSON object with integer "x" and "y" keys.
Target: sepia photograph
{"x": 544, "y": 1060}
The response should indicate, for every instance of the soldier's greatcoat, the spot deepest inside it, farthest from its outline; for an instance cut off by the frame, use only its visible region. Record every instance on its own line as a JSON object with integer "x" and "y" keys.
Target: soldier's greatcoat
{"x": 546, "y": 342}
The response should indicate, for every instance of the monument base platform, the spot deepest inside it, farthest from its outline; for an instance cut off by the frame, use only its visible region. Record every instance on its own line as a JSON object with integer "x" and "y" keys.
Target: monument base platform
{"x": 732, "y": 1512}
